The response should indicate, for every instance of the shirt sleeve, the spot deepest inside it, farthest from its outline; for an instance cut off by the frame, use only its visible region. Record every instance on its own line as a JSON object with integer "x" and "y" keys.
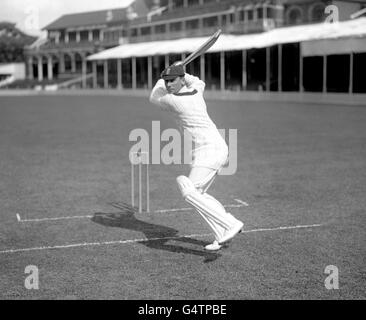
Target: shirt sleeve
{"x": 194, "y": 82}
{"x": 159, "y": 95}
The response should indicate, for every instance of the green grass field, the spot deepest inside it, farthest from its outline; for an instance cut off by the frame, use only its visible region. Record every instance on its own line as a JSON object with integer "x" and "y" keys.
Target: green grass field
{"x": 63, "y": 159}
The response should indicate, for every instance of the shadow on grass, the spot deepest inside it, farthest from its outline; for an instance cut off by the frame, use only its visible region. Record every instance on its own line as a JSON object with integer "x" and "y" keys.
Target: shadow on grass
{"x": 158, "y": 234}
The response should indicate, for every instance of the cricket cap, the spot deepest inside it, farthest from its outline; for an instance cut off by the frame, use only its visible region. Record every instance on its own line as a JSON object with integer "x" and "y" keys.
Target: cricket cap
{"x": 172, "y": 72}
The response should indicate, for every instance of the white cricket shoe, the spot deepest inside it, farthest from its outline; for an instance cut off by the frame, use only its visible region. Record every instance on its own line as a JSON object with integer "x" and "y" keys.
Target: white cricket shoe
{"x": 229, "y": 234}
{"x": 214, "y": 246}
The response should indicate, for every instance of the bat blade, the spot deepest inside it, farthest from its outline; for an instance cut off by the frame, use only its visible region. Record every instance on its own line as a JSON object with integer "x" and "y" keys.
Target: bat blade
{"x": 203, "y": 48}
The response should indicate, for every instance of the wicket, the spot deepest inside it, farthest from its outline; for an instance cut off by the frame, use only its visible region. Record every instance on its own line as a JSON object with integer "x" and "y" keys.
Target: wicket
{"x": 139, "y": 160}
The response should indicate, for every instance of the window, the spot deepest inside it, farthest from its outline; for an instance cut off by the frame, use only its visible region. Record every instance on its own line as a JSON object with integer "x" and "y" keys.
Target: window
{"x": 260, "y": 13}
{"x": 72, "y": 36}
{"x": 271, "y": 13}
{"x": 210, "y": 22}
{"x": 192, "y": 24}
{"x": 62, "y": 36}
{"x": 133, "y": 32}
{"x": 84, "y": 35}
{"x": 294, "y": 15}
{"x": 96, "y": 34}
{"x": 316, "y": 13}
{"x": 161, "y": 28}
{"x": 107, "y": 36}
{"x": 176, "y": 26}
{"x": 192, "y": 3}
{"x": 250, "y": 14}
{"x": 145, "y": 31}
{"x": 223, "y": 20}
{"x": 178, "y": 3}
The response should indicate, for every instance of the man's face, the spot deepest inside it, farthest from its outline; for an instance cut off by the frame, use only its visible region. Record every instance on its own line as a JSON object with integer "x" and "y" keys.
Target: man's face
{"x": 174, "y": 85}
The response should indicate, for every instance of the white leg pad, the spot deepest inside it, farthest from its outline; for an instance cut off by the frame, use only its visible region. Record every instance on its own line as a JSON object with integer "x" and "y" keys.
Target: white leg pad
{"x": 216, "y": 228}
{"x": 204, "y": 184}
{"x": 206, "y": 205}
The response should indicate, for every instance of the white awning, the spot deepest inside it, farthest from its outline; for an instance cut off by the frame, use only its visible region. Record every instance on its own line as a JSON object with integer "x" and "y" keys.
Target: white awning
{"x": 333, "y": 46}
{"x": 321, "y": 31}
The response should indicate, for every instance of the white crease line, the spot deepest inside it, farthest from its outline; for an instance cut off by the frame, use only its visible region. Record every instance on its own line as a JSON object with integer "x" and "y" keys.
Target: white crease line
{"x": 52, "y": 219}
{"x": 86, "y": 244}
{"x": 189, "y": 209}
{"x": 283, "y": 228}
{"x": 242, "y": 203}
{"x": 89, "y": 244}
{"x": 172, "y": 210}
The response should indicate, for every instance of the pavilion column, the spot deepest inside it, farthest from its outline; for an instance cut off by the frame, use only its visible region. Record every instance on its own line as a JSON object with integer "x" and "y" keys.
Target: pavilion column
{"x": 133, "y": 73}
{"x": 149, "y": 72}
{"x": 62, "y": 63}
{"x": 73, "y": 63}
{"x": 222, "y": 70}
{"x": 94, "y": 65}
{"x": 280, "y": 68}
{"x": 200, "y": 23}
{"x": 301, "y": 71}
{"x": 219, "y": 20}
{"x": 105, "y": 72}
{"x": 202, "y": 67}
{"x": 40, "y": 68}
{"x": 324, "y": 74}
{"x": 265, "y": 11}
{"x": 49, "y": 68}
{"x": 83, "y": 70}
{"x": 166, "y": 61}
{"x": 268, "y": 68}
{"x": 244, "y": 78}
{"x": 119, "y": 73}
{"x": 351, "y": 62}
{"x": 30, "y": 68}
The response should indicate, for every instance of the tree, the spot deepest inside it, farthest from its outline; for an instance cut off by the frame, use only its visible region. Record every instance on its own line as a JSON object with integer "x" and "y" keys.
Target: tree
{"x": 12, "y": 43}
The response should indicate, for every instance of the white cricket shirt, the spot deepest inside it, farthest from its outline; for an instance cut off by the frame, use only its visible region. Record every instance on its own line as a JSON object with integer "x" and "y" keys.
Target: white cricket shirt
{"x": 190, "y": 111}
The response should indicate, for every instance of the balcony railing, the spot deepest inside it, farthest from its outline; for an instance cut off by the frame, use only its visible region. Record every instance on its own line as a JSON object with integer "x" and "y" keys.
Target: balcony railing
{"x": 174, "y": 35}
{"x": 241, "y": 27}
{"x": 182, "y": 12}
{"x": 260, "y": 25}
{"x": 106, "y": 43}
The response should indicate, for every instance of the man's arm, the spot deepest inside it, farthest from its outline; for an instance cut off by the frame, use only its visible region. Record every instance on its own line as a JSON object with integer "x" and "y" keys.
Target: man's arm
{"x": 158, "y": 93}
{"x": 194, "y": 82}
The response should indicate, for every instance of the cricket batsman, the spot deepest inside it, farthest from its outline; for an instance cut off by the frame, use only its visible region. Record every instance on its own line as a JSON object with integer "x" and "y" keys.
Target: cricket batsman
{"x": 182, "y": 95}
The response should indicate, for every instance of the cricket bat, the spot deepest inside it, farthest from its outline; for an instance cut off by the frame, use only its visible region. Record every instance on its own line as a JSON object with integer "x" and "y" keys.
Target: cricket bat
{"x": 202, "y": 49}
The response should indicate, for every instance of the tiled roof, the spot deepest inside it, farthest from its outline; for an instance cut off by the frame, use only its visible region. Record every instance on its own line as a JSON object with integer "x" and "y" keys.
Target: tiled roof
{"x": 137, "y": 8}
{"x": 88, "y": 18}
